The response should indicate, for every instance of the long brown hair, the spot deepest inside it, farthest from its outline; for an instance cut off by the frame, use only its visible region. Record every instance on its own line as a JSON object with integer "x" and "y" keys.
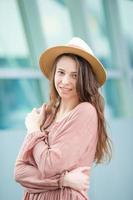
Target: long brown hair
{"x": 88, "y": 90}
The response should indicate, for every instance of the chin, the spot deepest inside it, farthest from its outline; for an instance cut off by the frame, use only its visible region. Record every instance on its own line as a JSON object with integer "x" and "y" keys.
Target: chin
{"x": 65, "y": 97}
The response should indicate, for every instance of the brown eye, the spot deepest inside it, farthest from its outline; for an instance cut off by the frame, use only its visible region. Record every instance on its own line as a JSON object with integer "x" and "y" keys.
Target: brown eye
{"x": 74, "y": 76}
{"x": 60, "y": 72}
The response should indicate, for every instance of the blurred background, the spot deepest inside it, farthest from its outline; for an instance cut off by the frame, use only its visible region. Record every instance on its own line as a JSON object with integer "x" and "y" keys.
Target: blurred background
{"x": 27, "y": 28}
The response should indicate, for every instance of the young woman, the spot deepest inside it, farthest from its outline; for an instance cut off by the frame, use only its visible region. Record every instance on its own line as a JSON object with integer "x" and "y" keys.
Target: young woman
{"x": 68, "y": 134}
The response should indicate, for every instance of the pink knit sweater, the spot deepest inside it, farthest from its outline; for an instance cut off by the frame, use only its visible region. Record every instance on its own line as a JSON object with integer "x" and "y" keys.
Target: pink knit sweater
{"x": 46, "y": 156}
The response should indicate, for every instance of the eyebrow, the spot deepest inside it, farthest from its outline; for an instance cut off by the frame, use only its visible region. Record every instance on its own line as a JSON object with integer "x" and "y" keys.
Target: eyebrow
{"x": 64, "y": 70}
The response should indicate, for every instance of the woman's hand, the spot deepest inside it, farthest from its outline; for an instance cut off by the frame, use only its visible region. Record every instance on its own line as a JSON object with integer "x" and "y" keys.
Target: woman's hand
{"x": 34, "y": 119}
{"x": 77, "y": 179}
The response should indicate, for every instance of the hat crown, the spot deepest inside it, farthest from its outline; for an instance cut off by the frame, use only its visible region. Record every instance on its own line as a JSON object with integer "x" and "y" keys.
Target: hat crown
{"x": 79, "y": 43}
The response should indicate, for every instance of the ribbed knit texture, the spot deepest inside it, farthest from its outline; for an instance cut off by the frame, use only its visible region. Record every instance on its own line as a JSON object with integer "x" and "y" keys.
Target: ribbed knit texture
{"x": 46, "y": 156}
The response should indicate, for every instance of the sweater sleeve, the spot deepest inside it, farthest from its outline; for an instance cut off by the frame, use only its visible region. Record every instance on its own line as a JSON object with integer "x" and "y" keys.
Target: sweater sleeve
{"x": 74, "y": 138}
{"x": 26, "y": 172}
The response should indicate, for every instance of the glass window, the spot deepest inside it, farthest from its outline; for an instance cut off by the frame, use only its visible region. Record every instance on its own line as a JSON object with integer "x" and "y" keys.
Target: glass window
{"x": 13, "y": 47}
{"x": 17, "y": 98}
{"x": 98, "y": 31}
{"x": 55, "y": 20}
{"x": 116, "y": 105}
{"x": 126, "y": 14}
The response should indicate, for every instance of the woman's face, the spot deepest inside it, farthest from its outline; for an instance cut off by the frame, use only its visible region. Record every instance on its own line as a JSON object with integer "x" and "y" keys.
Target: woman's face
{"x": 66, "y": 77}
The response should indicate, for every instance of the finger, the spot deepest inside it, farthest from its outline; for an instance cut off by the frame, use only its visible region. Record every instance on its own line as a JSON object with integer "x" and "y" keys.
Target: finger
{"x": 34, "y": 110}
{"x": 87, "y": 182}
{"x": 42, "y": 110}
{"x": 83, "y": 191}
{"x": 86, "y": 186}
{"x": 88, "y": 178}
{"x": 38, "y": 110}
{"x": 85, "y": 169}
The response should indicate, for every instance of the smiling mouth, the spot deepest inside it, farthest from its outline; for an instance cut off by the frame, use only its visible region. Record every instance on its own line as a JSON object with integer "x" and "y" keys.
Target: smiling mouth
{"x": 65, "y": 89}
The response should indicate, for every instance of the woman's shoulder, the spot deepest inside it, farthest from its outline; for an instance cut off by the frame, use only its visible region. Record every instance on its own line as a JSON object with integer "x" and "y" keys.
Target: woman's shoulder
{"x": 86, "y": 107}
{"x": 84, "y": 112}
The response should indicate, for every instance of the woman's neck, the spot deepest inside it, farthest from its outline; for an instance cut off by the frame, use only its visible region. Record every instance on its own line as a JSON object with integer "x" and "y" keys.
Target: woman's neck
{"x": 64, "y": 109}
{"x": 67, "y": 106}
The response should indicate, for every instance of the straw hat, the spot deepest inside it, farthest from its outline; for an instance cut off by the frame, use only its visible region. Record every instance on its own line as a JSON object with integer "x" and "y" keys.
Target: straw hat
{"x": 75, "y": 46}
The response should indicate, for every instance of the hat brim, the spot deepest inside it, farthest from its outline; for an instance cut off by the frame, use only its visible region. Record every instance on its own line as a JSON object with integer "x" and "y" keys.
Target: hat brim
{"x": 47, "y": 60}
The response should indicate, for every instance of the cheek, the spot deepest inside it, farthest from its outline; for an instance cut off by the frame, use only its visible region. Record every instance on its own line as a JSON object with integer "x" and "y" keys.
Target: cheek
{"x": 75, "y": 83}
{"x": 56, "y": 81}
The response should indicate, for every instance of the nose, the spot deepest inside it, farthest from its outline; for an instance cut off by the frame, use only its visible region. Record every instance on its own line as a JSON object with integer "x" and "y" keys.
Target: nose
{"x": 66, "y": 79}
